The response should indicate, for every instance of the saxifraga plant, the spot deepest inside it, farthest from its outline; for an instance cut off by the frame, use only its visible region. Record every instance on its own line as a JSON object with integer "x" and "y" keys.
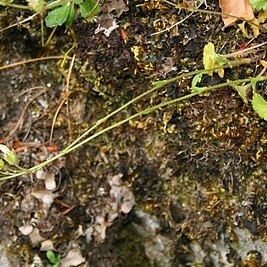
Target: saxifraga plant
{"x": 10, "y": 170}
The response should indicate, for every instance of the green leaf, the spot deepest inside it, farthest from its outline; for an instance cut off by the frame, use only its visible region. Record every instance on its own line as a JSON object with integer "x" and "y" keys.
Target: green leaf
{"x": 209, "y": 57}
{"x": 58, "y": 16}
{"x": 212, "y": 60}
{"x": 221, "y": 60}
{"x": 259, "y": 104}
{"x": 89, "y": 9}
{"x": 78, "y": 1}
{"x": 9, "y": 156}
{"x": 242, "y": 91}
{"x": 52, "y": 257}
{"x": 197, "y": 78}
{"x": 259, "y": 4}
{"x": 71, "y": 16}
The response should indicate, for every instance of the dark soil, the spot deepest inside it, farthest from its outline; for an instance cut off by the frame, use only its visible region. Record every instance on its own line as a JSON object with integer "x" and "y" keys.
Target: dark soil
{"x": 197, "y": 170}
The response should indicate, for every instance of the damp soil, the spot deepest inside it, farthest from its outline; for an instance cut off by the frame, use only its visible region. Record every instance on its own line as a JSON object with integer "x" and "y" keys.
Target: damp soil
{"x": 196, "y": 171}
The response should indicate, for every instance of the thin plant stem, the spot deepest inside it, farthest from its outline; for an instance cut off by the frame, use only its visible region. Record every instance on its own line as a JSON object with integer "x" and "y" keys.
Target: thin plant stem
{"x": 154, "y": 88}
{"x": 50, "y": 36}
{"x": 15, "y": 5}
{"x": 244, "y": 51}
{"x": 55, "y": 4}
{"x": 12, "y": 65}
{"x": 65, "y": 100}
{"x": 19, "y": 22}
{"x": 132, "y": 117}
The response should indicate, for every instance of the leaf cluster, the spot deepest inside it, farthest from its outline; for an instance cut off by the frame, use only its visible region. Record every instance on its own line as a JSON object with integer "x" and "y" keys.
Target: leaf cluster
{"x": 66, "y": 13}
{"x": 213, "y": 60}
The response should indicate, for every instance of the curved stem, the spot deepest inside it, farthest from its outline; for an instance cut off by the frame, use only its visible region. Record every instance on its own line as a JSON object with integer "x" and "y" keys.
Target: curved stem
{"x": 31, "y": 60}
{"x": 121, "y": 122}
{"x": 162, "y": 83}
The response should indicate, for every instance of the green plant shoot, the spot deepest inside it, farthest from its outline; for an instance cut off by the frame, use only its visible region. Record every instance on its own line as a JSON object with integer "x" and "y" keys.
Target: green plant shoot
{"x": 53, "y": 258}
{"x": 211, "y": 59}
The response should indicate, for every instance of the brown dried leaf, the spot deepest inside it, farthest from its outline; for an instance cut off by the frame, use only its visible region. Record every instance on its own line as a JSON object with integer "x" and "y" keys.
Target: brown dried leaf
{"x": 238, "y": 8}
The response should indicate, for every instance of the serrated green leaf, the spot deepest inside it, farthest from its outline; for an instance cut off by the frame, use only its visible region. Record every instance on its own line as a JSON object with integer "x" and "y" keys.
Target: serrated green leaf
{"x": 259, "y": 4}
{"x": 71, "y": 16}
{"x": 58, "y": 16}
{"x": 89, "y": 9}
{"x": 259, "y": 104}
{"x": 9, "y": 156}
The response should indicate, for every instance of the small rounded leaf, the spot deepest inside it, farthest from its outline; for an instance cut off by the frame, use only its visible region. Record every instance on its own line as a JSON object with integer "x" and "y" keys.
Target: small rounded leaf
{"x": 58, "y": 16}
